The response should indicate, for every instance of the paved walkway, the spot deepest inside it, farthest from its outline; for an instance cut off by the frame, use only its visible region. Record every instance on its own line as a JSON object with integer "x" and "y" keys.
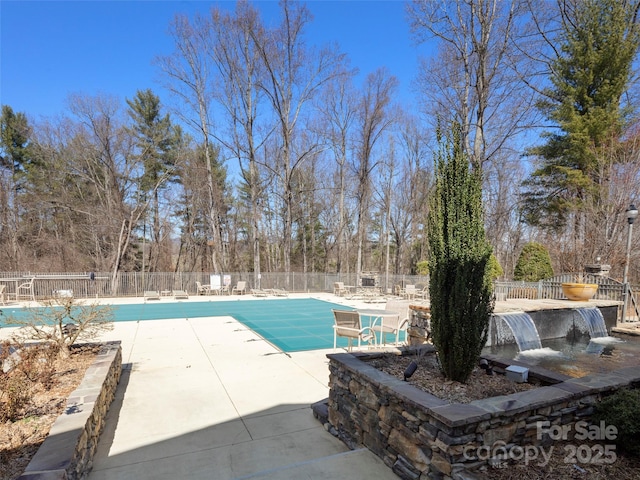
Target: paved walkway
{"x": 207, "y": 398}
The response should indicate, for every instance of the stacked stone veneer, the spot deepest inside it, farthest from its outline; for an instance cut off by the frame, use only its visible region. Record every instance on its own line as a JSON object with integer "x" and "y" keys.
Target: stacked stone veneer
{"x": 67, "y": 453}
{"x": 421, "y": 436}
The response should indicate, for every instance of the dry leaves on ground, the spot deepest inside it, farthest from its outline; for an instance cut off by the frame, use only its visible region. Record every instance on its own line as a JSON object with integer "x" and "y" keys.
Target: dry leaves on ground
{"x": 21, "y": 438}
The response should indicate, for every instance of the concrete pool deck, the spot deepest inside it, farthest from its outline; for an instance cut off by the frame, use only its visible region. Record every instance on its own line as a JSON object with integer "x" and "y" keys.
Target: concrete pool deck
{"x": 207, "y": 398}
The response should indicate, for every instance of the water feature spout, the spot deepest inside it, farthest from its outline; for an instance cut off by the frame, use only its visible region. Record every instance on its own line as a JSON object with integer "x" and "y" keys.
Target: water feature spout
{"x": 594, "y": 320}
{"x": 523, "y": 329}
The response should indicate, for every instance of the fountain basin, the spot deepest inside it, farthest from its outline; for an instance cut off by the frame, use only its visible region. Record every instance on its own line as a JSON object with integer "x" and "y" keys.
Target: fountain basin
{"x": 552, "y": 323}
{"x": 579, "y": 292}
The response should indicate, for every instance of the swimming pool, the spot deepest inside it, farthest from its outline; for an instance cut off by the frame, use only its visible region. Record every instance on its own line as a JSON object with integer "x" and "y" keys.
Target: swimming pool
{"x": 291, "y": 325}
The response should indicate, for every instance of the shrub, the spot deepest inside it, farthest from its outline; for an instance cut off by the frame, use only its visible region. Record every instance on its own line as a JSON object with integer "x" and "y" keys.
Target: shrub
{"x": 622, "y": 410}
{"x": 422, "y": 267}
{"x": 533, "y": 264}
{"x": 62, "y": 322}
{"x": 13, "y": 388}
{"x": 460, "y": 283}
{"x": 495, "y": 269}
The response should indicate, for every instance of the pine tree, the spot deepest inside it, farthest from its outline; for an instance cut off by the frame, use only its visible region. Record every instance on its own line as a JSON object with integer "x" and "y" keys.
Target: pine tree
{"x": 460, "y": 280}
{"x": 14, "y": 140}
{"x": 591, "y": 73}
{"x": 156, "y": 139}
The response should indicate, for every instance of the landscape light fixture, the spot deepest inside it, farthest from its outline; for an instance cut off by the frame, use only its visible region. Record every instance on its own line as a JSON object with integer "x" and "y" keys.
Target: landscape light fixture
{"x": 410, "y": 370}
{"x": 484, "y": 365}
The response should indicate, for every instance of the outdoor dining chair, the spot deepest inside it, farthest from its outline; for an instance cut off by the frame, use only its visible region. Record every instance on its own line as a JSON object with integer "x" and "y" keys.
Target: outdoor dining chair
{"x": 348, "y": 324}
{"x": 203, "y": 289}
{"x": 397, "y": 324}
{"x": 26, "y": 290}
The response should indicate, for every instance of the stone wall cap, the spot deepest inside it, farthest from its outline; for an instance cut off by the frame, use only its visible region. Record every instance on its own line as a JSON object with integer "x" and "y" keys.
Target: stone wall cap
{"x": 456, "y": 414}
{"x": 523, "y": 401}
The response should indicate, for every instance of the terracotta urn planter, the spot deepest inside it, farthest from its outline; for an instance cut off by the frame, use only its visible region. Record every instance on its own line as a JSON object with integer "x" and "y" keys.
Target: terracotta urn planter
{"x": 579, "y": 292}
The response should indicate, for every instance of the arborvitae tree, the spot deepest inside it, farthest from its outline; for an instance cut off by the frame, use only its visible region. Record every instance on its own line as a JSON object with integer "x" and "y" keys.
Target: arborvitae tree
{"x": 460, "y": 279}
{"x": 533, "y": 264}
{"x": 495, "y": 269}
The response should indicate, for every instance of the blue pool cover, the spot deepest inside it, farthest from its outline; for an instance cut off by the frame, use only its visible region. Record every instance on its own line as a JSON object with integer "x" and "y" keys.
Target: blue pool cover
{"x": 291, "y": 325}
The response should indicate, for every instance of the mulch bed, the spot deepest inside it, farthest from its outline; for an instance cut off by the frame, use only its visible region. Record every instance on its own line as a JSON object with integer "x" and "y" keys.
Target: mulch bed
{"x": 566, "y": 460}
{"x": 21, "y": 436}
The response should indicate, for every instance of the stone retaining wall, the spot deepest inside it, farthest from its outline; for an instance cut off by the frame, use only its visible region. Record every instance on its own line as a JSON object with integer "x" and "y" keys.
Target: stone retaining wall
{"x": 67, "y": 453}
{"x": 420, "y": 436}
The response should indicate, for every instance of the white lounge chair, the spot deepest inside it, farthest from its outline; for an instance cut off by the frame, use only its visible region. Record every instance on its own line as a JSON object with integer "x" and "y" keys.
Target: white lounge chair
{"x": 256, "y": 292}
{"x": 240, "y": 288}
{"x": 180, "y": 294}
{"x": 279, "y": 292}
{"x": 151, "y": 295}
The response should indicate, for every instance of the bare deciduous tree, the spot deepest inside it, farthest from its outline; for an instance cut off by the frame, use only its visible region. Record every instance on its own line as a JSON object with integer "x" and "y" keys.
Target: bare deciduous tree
{"x": 294, "y": 75}
{"x": 374, "y": 119}
{"x": 473, "y": 80}
{"x": 338, "y": 111}
{"x": 239, "y": 68}
{"x": 190, "y": 80}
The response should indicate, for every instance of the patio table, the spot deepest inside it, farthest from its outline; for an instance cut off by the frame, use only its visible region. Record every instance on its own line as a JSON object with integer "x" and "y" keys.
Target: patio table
{"x": 376, "y": 314}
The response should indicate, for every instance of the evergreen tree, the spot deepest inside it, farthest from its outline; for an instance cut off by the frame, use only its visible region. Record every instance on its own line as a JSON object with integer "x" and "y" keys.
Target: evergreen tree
{"x": 16, "y": 160}
{"x": 598, "y": 44}
{"x": 14, "y": 140}
{"x": 460, "y": 281}
{"x": 156, "y": 139}
{"x": 533, "y": 264}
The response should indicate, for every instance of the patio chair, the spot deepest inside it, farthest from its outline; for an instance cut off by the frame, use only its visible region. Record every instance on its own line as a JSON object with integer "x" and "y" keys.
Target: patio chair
{"x": 180, "y": 294}
{"x": 397, "y": 324}
{"x": 256, "y": 292}
{"x": 240, "y": 288}
{"x": 409, "y": 292}
{"x": 203, "y": 289}
{"x": 279, "y": 292}
{"x": 339, "y": 289}
{"x": 26, "y": 290}
{"x": 424, "y": 293}
{"x": 151, "y": 295}
{"x": 348, "y": 324}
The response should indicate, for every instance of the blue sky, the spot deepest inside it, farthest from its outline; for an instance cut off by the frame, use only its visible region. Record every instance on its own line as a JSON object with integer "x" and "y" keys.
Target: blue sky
{"x": 50, "y": 49}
